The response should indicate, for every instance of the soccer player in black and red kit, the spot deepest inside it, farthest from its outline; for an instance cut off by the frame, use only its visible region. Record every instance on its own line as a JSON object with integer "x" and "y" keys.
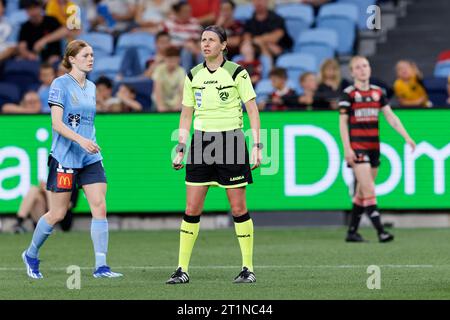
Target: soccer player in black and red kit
{"x": 359, "y": 107}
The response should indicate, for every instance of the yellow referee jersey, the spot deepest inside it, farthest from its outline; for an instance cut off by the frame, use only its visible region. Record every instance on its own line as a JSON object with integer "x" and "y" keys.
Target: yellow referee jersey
{"x": 217, "y": 96}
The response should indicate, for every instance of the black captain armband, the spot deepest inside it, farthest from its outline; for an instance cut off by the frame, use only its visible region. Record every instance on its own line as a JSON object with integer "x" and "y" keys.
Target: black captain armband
{"x": 181, "y": 147}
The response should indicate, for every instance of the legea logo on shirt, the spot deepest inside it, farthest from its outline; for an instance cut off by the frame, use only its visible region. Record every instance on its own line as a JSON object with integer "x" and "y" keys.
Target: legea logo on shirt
{"x": 74, "y": 120}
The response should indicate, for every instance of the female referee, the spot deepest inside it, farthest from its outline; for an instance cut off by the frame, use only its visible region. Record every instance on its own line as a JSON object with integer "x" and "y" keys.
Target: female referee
{"x": 75, "y": 160}
{"x": 218, "y": 156}
{"x": 359, "y": 107}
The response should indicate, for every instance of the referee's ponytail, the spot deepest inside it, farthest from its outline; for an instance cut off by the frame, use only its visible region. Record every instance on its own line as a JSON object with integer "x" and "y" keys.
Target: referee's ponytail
{"x": 222, "y": 36}
{"x": 72, "y": 50}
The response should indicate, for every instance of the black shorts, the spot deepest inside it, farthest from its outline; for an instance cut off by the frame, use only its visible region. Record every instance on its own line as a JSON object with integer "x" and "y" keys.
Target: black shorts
{"x": 218, "y": 159}
{"x": 368, "y": 156}
{"x": 62, "y": 179}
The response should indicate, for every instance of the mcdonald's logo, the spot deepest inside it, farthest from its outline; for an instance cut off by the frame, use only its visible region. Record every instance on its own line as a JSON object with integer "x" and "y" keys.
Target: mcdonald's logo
{"x": 64, "y": 180}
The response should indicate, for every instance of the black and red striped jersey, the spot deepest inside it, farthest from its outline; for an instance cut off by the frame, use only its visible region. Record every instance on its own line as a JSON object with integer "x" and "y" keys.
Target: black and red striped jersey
{"x": 362, "y": 108}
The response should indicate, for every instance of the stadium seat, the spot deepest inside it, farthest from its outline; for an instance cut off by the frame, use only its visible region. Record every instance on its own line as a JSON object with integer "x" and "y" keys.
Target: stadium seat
{"x": 143, "y": 87}
{"x": 11, "y": 6}
{"x": 264, "y": 89}
{"x": 362, "y": 10}
{"x": 442, "y": 69}
{"x": 296, "y": 64}
{"x": 298, "y": 17}
{"x": 9, "y": 93}
{"x": 102, "y": 43}
{"x": 343, "y": 18}
{"x": 22, "y": 73}
{"x": 320, "y": 42}
{"x": 243, "y": 12}
{"x": 437, "y": 90}
{"x": 143, "y": 41}
{"x": 106, "y": 66}
{"x": 17, "y": 17}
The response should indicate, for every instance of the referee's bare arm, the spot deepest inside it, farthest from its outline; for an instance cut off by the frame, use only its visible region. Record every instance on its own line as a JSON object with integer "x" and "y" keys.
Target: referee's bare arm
{"x": 253, "y": 114}
{"x": 59, "y": 126}
{"x": 185, "y": 124}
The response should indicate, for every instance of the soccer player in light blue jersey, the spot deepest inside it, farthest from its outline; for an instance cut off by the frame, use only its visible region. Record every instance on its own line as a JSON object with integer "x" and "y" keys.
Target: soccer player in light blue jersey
{"x": 75, "y": 159}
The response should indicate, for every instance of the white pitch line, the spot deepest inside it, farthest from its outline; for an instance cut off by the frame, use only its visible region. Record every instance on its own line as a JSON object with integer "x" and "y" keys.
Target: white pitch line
{"x": 237, "y": 267}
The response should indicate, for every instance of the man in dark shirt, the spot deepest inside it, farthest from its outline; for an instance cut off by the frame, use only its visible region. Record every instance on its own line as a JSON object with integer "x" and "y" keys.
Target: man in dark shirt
{"x": 267, "y": 29}
{"x": 40, "y": 36}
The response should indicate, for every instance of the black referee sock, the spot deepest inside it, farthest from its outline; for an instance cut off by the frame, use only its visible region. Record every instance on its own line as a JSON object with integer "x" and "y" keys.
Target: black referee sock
{"x": 374, "y": 216}
{"x": 355, "y": 218}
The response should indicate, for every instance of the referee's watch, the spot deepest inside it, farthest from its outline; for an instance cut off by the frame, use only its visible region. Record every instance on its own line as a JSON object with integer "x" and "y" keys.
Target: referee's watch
{"x": 181, "y": 147}
{"x": 258, "y": 145}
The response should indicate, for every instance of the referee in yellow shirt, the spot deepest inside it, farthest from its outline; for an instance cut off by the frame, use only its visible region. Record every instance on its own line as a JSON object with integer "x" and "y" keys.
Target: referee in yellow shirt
{"x": 218, "y": 156}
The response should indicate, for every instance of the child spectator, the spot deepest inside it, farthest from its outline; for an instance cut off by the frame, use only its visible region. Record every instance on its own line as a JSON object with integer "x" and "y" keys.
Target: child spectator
{"x": 31, "y": 103}
{"x": 408, "y": 88}
{"x": 162, "y": 42}
{"x": 168, "y": 82}
{"x": 103, "y": 94}
{"x": 125, "y": 100}
{"x": 308, "y": 100}
{"x": 46, "y": 76}
{"x": 283, "y": 98}
{"x": 251, "y": 52}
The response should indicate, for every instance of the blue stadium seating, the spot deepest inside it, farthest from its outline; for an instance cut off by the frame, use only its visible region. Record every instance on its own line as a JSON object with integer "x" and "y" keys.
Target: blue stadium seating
{"x": 298, "y": 17}
{"x": 106, "y": 66}
{"x": 264, "y": 89}
{"x": 102, "y": 43}
{"x": 442, "y": 69}
{"x": 243, "y": 12}
{"x": 296, "y": 64}
{"x": 143, "y": 41}
{"x": 437, "y": 90}
{"x": 143, "y": 87}
{"x": 343, "y": 18}
{"x": 8, "y": 93}
{"x": 22, "y": 73}
{"x": 362, "y": 11}
{"x": 320, "y": 42}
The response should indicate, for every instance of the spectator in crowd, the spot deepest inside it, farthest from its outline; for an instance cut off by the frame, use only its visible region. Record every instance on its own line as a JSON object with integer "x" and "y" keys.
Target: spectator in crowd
{"x": 151, "y": 14}
{"x": 35, "y": 204}
{"x": 185, "y": 31}
{"x": 115, "y": 16}
{"x": 205, "y": 11}
{"x": 331, "y": 84}
{"x": 103, "y": 94}
{"x": 308, "y": 100}
{"x": 168, "y": 82}
{"x": 408, "y": 88}
{"x": 61, "y": 70}
{"x": 40, "y": 37}
{"x": 31, "y": 103}
{"x": 46, "y": 76}
{"x": 448, "y": 90}
{"x": 283, "y": 98}
{"x": 8, "y": 45}
{"x": 124, "y": 100}
{"x": 58, "y": 9}
{"x": 268, "y": 30}
{"x": 233, "y": 28}
{"x": 162, "y": 42}
{"x": 250, "y": 53}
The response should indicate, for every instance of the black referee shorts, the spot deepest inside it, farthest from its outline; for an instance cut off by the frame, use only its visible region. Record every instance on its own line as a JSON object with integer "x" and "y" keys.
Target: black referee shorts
{"x": 218, "y": 159}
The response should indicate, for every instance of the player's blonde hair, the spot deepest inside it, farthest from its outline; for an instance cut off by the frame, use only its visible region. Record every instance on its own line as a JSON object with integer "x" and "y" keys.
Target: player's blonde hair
{"x": 355, "y": 58}
{"x": 72, "y": 50}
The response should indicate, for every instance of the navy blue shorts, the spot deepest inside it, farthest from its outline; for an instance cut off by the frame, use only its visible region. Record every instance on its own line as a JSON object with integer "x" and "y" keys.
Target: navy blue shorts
{"x": 62, "y": 179}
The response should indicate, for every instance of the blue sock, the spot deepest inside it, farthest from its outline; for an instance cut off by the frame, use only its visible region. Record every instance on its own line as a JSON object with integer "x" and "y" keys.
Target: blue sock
{"x": 99, "y": 235}
{"x": 41, "y": 233}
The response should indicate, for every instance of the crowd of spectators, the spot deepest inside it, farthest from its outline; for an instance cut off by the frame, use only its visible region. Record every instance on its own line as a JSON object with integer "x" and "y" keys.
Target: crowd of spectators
{"x": 177, "y": 26}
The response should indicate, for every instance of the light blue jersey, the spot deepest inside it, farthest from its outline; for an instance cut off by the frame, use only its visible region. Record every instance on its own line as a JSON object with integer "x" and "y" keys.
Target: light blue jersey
{"x": 79, "y": 113}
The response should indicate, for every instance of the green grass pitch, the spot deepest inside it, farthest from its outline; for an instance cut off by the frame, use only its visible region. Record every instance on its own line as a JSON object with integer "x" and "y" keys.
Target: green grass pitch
{"x": 301, "y": 263}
